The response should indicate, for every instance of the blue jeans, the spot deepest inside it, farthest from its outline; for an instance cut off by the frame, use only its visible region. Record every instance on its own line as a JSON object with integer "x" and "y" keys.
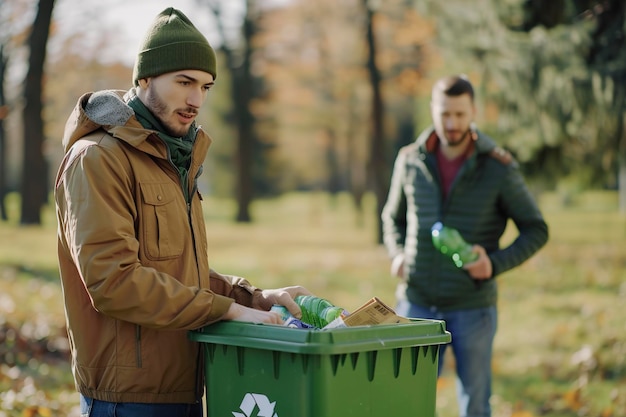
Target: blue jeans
{"x": 472, "y": 333}
{"x": 96, "y": 408}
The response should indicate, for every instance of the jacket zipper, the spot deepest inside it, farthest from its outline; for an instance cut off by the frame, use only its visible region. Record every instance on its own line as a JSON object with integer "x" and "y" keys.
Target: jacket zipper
{"x": 200, "y": 359}
{"x": 199, "y": 373}
{"x": 183, "y": 187}
{"x": 199, "y": 382}
{"x": 138, "y": 345}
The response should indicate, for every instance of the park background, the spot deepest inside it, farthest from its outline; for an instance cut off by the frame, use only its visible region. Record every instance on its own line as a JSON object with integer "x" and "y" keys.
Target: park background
{"x": 312, "y": 102}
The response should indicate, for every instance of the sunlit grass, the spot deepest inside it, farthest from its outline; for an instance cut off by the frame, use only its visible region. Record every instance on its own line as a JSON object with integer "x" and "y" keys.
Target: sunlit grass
{"x": 560, "y": 348}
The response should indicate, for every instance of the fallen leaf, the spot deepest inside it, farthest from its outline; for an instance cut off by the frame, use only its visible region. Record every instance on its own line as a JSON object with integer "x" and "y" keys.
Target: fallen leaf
{"x": 573, "y": 400}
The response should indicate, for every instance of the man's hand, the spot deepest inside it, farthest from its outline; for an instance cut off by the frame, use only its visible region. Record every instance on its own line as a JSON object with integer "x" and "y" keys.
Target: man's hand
{"x": 397, "y": 266}
{"x": 237, "y": 312}
{"x": 285, "y": 297}
{"x": 481, "y": 268}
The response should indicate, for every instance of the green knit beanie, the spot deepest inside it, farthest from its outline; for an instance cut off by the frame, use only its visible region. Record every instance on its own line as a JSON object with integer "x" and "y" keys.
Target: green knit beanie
{"x": 173, "y": 44}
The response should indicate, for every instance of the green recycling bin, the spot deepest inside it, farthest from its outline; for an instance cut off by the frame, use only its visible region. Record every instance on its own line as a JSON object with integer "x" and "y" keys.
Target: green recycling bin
{"x": 275, "y": 371}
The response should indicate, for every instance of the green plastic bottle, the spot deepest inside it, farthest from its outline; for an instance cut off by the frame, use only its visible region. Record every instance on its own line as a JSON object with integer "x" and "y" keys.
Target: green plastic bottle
{"x": 450, "y": 243}
{"x": 317, "y": 311}
{"x": 288, "y": 319}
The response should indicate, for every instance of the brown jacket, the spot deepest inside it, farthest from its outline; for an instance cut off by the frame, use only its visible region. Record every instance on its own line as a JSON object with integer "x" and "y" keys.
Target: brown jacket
{"x": 133, "y": 259}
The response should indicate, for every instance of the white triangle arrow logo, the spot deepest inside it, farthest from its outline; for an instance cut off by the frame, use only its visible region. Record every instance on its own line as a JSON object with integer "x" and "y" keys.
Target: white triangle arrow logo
{"x": 250, "y": 401}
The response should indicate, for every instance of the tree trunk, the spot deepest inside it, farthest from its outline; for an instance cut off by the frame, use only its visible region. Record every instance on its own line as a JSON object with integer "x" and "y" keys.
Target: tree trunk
{"x": 621, "y": 179}
{"x": 621, "y": 157}
{"x": 328, "y": 108}
{"x": 4, "y": 110}
{"x": 34, "y": 189}
{"x": 377, "y": 160}
{"x": 242, "y": 90}
{"x": 334, "y": 183}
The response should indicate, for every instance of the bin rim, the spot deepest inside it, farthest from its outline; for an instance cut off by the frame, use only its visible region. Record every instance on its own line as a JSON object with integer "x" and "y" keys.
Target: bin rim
{"x": 420, "y": 332}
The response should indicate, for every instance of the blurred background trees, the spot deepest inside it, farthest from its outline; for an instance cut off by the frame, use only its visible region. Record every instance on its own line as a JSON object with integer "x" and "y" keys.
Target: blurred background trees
{"x": 551, "y": 77}
{"x": 319, "y": 96}
{"x": 4, "y": 111}
{"x": 34, "y": 189}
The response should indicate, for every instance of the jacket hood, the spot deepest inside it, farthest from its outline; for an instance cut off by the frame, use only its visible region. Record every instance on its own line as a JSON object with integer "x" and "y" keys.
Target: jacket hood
{"x": 104, "y": 110}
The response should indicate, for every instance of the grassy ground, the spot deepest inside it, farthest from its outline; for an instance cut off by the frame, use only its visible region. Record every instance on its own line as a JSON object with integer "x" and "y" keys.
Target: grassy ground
{"x": 560, "y": 349}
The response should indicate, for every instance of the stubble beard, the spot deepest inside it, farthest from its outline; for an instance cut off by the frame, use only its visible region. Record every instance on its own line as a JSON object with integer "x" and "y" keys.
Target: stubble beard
{"x": 161, "y": 111}
{"x": 459, "y": 142}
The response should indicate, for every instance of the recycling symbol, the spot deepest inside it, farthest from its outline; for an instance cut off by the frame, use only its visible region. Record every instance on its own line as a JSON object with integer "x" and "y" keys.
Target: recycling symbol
{"x": 250, "y": 401}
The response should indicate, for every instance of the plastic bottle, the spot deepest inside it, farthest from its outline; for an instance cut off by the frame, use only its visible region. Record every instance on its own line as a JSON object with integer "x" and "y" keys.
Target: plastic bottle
{"x": 288, "y": 319}
{"x": 282, "y": 310}
{"x": 450, "y": 243}
{"x": 317, "y": 311}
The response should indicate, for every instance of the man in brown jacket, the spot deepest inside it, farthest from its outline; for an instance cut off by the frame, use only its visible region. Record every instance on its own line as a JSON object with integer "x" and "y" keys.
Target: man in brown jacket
{"x": 132, "y": 243}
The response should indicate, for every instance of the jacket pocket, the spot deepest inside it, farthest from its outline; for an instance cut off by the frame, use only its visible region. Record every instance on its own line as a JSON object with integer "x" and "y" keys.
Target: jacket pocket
{"x": 164, "y": 220}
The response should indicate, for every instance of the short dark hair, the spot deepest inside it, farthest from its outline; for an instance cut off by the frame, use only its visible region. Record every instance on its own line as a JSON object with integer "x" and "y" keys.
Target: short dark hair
{"x": 454, "y": 85}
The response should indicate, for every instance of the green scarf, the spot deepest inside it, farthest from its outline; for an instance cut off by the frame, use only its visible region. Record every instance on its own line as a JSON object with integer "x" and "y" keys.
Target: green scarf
{"x": 179, "y": 148}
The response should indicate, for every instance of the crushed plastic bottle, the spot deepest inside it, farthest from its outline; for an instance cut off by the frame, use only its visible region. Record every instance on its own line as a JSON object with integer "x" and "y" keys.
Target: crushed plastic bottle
{"x": 288, "y": 319}
{"x": 318, "y": 311}
{"x": 450, "y": 243}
